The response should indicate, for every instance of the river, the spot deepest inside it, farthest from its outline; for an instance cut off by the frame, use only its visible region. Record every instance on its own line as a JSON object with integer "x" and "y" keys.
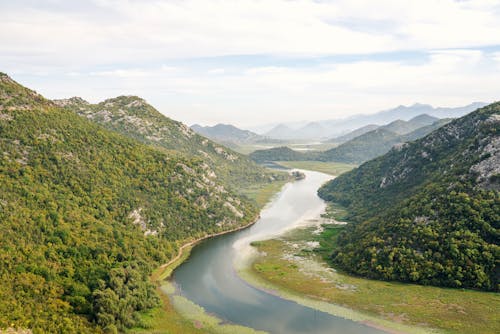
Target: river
{"x": 209, "y": 278}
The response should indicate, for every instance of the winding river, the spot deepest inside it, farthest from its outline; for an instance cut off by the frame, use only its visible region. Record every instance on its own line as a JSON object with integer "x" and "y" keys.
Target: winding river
{"x": 209, "y": 278}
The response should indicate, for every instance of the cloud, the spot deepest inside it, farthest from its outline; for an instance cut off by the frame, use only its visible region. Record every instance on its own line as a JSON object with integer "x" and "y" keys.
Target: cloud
{"x": 245, "y": 61}
{"x": 109, "y": 31}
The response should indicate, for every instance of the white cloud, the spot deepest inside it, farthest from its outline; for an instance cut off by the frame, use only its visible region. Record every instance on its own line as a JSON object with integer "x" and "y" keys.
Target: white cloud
{"x": 260, "y": 94}
{"x": 135, "y": 31}
{"x": 102, "y": 48}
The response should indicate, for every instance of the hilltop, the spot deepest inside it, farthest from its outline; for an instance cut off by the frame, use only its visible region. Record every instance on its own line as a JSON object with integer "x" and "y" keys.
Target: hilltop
{"x": 227, "y": 133}
{"x": 135, "y": 118}
{"x": 428, "y": 211}
{"x": 87, "y": 213}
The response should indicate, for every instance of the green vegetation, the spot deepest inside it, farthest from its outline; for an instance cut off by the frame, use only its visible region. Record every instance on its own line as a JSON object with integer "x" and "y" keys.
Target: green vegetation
{"x": 427, "y": 212}
{"x": 135, "y": 118}
{"x": 332, "y": 168}
{"x": 86, "y": 215}
{"x": 281, "y": 153}
{"x": 359, "y": 149}
{"x": 294, "y": 270}
{"x": 261, "y": 194}
{"x": 362, "y": 148}
{"x": 336, "y": 212}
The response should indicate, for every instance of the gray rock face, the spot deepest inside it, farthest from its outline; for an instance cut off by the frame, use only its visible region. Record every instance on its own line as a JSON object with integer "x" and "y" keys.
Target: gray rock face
{"x": 489, "y": 166}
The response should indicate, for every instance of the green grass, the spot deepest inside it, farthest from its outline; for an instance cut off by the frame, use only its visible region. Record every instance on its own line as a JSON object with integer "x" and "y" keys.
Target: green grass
{"x": 335, "y": 211}
{"x": 262, "y": 193}
{"x": 449, "y": 310}
{"x": 182, "y": 316}
{"x": 332, "y": 168}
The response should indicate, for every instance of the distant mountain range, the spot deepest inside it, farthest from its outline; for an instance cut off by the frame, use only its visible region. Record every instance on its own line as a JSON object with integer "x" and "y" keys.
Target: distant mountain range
{"x": 328, "y": 129}
{"x": 399, "y": 127}
{"x": 363, "y": 147}
{"x": 377, "y": 142}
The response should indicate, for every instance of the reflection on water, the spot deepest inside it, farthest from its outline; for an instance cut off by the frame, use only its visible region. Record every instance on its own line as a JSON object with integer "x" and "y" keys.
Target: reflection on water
{"x": 209, "y": 279}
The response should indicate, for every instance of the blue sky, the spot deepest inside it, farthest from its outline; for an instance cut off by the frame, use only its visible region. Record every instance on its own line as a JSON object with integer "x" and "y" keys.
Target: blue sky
{"x": 251, "y": 62}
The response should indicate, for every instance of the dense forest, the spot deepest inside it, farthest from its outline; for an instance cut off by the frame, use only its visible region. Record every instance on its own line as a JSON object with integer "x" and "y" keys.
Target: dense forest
{"x": 135, "y": 118}
{"x": 428, "y": 211}
{"x": 87, "y": 213}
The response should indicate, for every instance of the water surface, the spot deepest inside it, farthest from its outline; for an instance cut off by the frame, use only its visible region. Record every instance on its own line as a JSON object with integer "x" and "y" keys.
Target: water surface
{"x": 209, "y": 279}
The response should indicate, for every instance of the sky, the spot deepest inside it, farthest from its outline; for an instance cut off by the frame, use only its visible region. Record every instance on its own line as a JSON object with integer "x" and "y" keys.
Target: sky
{"x": 250, "y": 62}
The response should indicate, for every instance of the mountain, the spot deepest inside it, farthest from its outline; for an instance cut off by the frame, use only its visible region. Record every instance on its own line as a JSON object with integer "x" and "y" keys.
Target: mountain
{"x": 227, "y": 133}
{"x": 353, "y": 134}
{"x": 365, "y": 147}
{"x": 422, "y": 120}
{"x": 379, "y": 141}
{"x": 337, "y": 127}
{"x": 361, "y": 148}
{"x": 282, "y": 153}
{"x": 428, "y": 211}
{"x": 403, "y": 127}
{"x": 398, "y": 127}
{"x": 86, "y": 214}
{"x": 312, "y": 130}
{"x": 424, "y": 130}
{"x": 406, "y": 113}
{"x": 281, "y": 132}
{"x": 135, "y": 118}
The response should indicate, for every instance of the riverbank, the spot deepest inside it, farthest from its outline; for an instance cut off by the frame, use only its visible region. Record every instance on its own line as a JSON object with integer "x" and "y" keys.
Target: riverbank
{"x": 291, "y": 267}
{"x": 331, "y": 168}
{"x": 170, "y": 318}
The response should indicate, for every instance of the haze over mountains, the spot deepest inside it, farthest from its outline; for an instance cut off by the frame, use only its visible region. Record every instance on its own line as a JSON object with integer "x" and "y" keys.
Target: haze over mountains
{"x": 227, "y": 133}
{"x": 357, "y": 148}
{"x": 328, "y": 129}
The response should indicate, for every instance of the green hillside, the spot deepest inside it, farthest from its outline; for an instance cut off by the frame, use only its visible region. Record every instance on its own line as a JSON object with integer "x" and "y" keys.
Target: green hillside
{"x": 361, "y": 148}
{"x": 135, "y": 118}
{"x": 87, "y": 213}
{"x": 428, "y": 211}
{"x": 282, "y": 153}
{"x": 365, "y": 147}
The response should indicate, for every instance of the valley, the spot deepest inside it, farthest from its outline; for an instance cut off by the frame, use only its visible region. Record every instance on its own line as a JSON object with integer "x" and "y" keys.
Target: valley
{"x": 296, "y": 265}
{"x": 249, "y": 167}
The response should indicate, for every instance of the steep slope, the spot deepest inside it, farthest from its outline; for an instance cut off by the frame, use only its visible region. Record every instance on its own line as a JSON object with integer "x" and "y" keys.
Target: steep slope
{"x": 227, "y": 133}
{"x": 353, "y": 134}
{"x": 401, "y": 127}
{"x": 425, "y": 130}
{"x": 365, "y": 147}
{"x": 429, "y": 210}
{"x": 86, "y": 213}
{"x": 377, "y": 142}
{"x": 133, "y": 117}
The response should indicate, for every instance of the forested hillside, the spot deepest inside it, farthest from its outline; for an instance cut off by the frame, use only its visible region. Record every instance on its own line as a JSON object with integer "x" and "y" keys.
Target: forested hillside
{"x": 86, "y": 213}
{"x": 281, "y": 153}
{"x": 429, "y": 210}
{"x": 379, "y": 141}
{"x": 135, "y": 118}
